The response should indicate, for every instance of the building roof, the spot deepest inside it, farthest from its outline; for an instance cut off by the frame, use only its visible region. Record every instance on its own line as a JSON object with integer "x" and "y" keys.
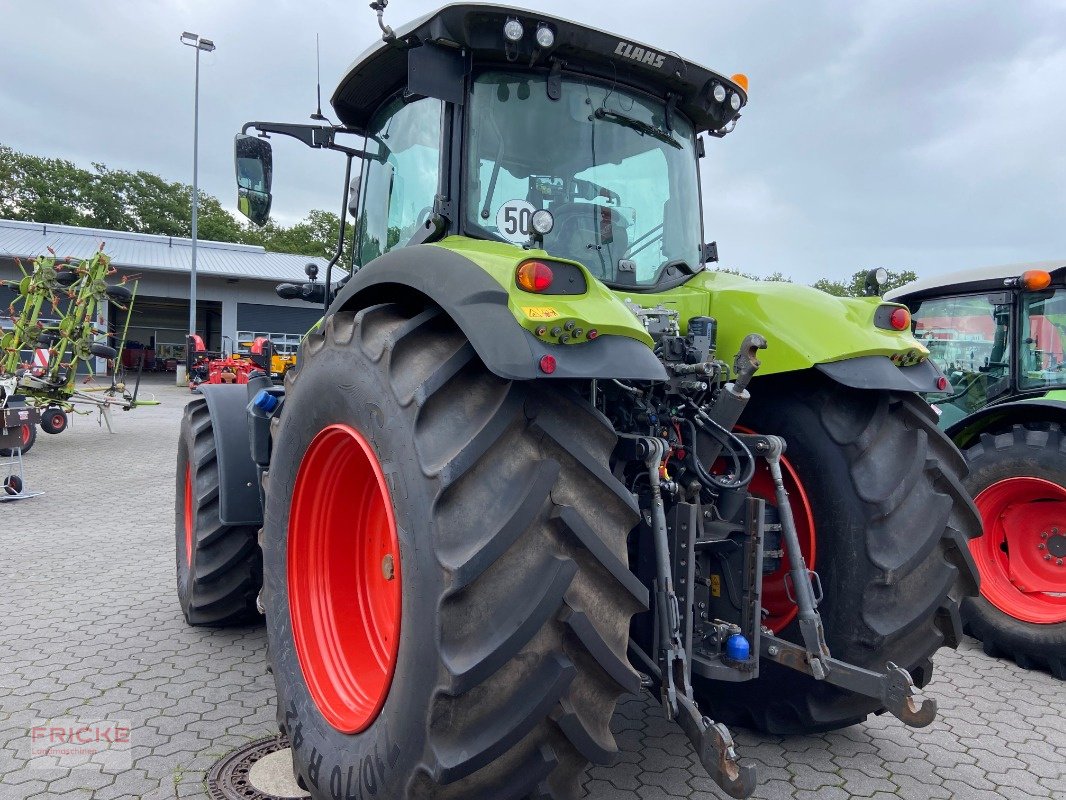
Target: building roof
{"x": 143, "y": 251}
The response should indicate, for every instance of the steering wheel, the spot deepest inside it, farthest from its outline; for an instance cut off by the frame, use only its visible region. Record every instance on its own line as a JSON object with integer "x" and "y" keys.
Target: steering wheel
{"x": 577, "y": 229}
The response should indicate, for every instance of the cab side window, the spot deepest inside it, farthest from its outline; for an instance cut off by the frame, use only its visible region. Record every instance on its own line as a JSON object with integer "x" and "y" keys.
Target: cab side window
{"x": 400, "y": 184}
{"x": 1043, "y": 334}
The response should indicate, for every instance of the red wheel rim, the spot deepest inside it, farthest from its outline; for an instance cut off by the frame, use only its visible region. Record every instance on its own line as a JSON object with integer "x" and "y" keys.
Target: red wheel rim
{"x": 775, "y": 597}
{"x": 344, "y": 578}
{"x": 1022, "y": 555}
{"x": 25, "y": 435}
{"x": 188, "y": 514}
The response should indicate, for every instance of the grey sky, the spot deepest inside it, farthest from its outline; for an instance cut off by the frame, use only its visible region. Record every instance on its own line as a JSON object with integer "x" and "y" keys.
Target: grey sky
{"x": 907, "y": 134}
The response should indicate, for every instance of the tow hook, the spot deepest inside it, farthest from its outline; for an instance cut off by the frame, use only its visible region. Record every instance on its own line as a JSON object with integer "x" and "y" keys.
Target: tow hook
{"x": 893, "y": 687}
{"x": 711, "y": 740}
{"x": 714, "y": 747}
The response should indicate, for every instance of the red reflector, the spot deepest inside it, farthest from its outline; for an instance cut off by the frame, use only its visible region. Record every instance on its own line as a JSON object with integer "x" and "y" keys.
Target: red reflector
{"x": 900, "y": 319}
{"x": 547, "y": 364}
{"x": 593, "y": 333}
{"x": 533, "y": 276}
{"x": 942, "y": 383}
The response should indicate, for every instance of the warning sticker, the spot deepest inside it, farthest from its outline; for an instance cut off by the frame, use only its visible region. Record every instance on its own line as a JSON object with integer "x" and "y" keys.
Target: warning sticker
{"x": 540, "y": 312}
{"x": 716, "y": 586}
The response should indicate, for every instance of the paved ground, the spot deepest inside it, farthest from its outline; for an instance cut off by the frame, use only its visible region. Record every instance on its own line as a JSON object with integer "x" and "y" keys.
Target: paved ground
{"x": 89, "y": 629}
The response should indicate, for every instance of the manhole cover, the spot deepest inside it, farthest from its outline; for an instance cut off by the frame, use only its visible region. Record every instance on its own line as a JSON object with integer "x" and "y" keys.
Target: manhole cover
{"x": 261, "y": 770}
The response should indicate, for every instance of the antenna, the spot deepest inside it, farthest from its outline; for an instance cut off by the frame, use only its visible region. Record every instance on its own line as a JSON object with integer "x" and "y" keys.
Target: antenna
{"x": 386, "y": 32}
{"x": 318, "y": 84}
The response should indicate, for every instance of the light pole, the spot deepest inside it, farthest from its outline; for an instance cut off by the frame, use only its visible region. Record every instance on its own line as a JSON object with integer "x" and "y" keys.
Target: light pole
{"x": 194, "y": 40}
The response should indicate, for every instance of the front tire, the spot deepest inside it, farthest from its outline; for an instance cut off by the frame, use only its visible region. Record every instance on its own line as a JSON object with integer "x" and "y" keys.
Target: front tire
{"x": 891, "y": 522}
{"x": 511, "y": 582}
{"x": 1017, "y": 479}
{"x": 219, "y": 568}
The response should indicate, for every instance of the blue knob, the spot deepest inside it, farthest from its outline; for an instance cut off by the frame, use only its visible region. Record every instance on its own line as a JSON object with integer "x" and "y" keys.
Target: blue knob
{"x": 265, "y": 401}
{"x": 737, "y": 648}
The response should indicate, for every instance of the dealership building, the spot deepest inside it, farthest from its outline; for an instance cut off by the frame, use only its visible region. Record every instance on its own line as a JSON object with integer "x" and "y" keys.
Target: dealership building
{"x": 235, "y": 299}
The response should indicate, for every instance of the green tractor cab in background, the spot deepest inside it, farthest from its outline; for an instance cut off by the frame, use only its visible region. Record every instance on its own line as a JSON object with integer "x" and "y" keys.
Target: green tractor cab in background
{"x": 534, "y": 457}
{"x": 999, "y": 334}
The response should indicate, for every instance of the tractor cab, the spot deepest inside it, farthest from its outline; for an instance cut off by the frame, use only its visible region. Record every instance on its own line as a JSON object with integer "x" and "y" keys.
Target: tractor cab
{"x": 509, "y": 126}
{"x": 997, "y": 333}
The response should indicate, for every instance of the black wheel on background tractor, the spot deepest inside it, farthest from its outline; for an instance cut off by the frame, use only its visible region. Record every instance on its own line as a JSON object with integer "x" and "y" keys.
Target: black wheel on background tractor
{"x": 29, "y": 437}
{"x": 883, "y": 518}
{"x": 448, "y": 600}
{"x": 54, "y": 420}
{"x": 219, "y": 567}
{"x": 1016, "y": 479}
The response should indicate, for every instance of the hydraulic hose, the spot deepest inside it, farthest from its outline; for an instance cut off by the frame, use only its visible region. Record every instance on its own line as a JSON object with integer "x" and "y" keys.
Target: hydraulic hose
{"x": 728, "y": 440}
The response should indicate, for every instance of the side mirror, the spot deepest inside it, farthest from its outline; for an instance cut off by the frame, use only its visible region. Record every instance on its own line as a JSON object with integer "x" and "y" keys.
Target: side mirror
{"x": 254, "y": 163}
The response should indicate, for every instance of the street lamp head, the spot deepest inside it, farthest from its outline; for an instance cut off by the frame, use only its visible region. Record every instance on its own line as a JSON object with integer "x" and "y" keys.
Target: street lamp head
{"x": 195, "y": 40}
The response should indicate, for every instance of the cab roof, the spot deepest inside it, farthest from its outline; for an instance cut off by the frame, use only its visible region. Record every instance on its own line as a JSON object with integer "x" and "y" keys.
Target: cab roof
{"x": 980, "y": 279}
{"x": 476, "y": 29}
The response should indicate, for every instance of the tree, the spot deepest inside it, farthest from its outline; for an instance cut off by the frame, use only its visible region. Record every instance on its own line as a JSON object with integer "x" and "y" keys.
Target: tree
{"x": 851, "y": 288}
{"x": 855, "y": 287}
{"x": 315, "y": 235}
{"x": 56, "y": 191}
{"x": 42, "y": 189}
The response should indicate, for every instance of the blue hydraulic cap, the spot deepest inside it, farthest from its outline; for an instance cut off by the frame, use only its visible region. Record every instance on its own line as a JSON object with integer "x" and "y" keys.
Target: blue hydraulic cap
{"x": 737, "y": 648}
{"x": 265, "y": 401}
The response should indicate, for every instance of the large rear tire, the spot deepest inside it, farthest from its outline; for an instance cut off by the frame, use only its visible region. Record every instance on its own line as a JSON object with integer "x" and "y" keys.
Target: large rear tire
{"x": 1017, "y": 478}
{"x": 497, "y": 633}
{"x": 891, "y": 524}
{"x": 219, "y": 567}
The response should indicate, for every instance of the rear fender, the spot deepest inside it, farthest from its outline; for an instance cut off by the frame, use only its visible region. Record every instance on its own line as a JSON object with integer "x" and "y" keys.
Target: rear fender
{"x": 806, "y": 329}
{"x": 238, "y": 480}
{"x": 993, "y": 419}
{"x": 483, "y": 308}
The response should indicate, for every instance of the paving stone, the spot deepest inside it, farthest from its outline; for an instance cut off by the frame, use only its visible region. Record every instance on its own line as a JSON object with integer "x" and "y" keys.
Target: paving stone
{"x": 91, "y": 629}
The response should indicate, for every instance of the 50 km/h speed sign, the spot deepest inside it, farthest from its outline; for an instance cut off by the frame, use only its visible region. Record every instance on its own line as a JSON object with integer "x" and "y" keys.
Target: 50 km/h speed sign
{"x": 514, "y": 221}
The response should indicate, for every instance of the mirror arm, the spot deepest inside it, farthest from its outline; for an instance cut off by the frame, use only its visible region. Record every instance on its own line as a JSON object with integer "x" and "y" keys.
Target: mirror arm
{"x": 317, "y": 136}
{"x": 340, "y": 236}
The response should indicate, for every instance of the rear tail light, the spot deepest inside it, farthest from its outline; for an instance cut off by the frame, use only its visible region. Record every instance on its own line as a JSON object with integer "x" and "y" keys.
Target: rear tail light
{"x": 533, "y": 276}
{"x": 892, "y": 318}
{"x": 547, "y": 364}
{"x": 900, "y": 319}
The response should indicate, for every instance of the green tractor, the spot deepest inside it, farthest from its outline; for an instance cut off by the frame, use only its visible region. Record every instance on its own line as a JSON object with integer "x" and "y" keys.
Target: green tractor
{"x": 1000, "y": 333}
{"x": 534, "y": 456}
